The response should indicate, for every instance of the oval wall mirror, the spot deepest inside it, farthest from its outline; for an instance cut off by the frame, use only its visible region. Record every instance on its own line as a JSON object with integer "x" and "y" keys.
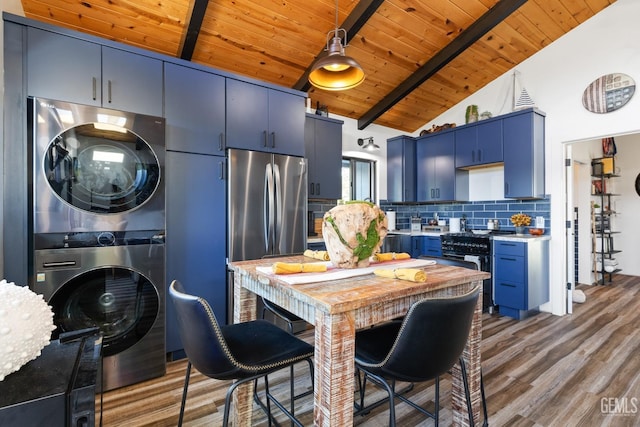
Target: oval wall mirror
{"x": 608, "y": 93}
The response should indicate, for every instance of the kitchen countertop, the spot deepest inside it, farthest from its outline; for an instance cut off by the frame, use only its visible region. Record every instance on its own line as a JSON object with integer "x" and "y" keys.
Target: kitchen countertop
{"x": 416, "y": 233}
{"x": 523, "y": 238}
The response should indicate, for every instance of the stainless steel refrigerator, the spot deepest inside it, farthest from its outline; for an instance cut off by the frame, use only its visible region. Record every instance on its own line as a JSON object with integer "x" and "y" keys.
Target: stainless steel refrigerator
{"x": 267, "y": 206}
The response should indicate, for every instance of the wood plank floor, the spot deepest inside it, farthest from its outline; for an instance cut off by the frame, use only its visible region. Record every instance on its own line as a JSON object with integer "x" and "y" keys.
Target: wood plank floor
{"x": 576, "y": 370}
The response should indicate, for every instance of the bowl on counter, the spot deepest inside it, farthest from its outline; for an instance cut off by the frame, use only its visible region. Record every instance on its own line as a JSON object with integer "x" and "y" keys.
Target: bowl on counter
{"x": 536, "y": 231}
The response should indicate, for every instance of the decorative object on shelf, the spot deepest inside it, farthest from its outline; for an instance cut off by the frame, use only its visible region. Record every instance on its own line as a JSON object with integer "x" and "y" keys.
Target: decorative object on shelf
{"x": 322, "y": 110}
{"x": 609, "y": 148}
{"x": 536, "y": 231}
{"x": 435, "y": 128}
{"x": 26, "y": 322}
{"x": 524, "y": 101}
{"x": 520, "y": 222}
{"x": 608, "y": 93}
{"x": 353, "y": 232}
{"x": 370, "y": 145}
{"x": 485, "y": 115}
{"x": 471, "y": 115}
{"x": 336, "y": 71}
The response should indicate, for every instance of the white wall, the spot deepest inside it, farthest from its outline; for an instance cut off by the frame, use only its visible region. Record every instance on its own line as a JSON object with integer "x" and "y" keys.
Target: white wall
{"x": 15, "y": 7}
{"x": 555, "y": 78}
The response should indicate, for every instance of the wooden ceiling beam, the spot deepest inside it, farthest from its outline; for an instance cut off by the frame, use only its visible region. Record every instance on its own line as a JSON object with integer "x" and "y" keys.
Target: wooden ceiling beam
{"x": 479, "y": 28}
{"x": 193, "y": 30}
{"x": 354, "y": 22}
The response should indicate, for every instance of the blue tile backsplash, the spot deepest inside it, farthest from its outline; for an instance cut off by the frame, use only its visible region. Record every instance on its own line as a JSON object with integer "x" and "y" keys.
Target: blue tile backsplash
{"x": 477, "y": 213}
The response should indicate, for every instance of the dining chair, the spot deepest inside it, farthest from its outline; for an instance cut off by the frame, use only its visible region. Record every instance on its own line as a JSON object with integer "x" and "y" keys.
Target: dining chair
{"x": 473, "y": 266}
{"x": 241, "y": 352}
{"x": 422, "y": 346}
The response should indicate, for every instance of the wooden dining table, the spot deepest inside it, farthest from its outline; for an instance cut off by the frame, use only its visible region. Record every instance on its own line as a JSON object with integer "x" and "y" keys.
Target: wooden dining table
{"x": 337, "y": 309}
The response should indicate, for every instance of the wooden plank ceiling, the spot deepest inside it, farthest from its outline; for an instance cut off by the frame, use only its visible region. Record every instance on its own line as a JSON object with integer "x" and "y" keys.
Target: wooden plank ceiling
{"x": 420, "y": 57}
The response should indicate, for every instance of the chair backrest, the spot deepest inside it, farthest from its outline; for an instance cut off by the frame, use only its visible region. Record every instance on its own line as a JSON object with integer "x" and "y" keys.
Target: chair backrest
{"x": 201, "y": 335}
{"x": 432, "y": 337}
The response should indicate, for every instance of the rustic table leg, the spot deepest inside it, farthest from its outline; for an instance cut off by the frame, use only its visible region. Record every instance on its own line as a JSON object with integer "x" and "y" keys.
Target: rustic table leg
{"x": 334, "y": 369}
{"x": 244, "y": 309}
{"x": 471, "y": 357}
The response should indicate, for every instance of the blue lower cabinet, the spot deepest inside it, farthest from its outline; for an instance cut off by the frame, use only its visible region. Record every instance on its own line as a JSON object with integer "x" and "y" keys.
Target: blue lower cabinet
{"x": 520, "y": 275}
{"x": 416, "y": 246}
{"x": 432, "y": 246}
{"x": 425, "y": 245}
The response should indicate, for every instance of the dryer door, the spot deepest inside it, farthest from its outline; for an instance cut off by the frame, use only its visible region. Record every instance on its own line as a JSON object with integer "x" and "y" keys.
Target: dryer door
{"x": 122, "y": 303}
{"x": 101, "y": 169}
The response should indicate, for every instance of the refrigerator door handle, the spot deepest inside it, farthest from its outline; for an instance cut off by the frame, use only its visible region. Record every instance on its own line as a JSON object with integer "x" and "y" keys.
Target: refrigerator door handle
{"x": 277, "y": 219}
{"x": 268, "y": 208}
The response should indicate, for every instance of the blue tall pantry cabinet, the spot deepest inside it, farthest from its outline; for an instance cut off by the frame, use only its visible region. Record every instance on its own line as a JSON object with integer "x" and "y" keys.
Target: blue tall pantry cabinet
{"x": 196, "y": 195}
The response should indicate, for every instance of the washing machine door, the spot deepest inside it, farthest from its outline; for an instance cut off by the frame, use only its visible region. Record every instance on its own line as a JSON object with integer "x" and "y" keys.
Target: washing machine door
{"x": 124, "y": 304}
{"x": 101, "y": 168}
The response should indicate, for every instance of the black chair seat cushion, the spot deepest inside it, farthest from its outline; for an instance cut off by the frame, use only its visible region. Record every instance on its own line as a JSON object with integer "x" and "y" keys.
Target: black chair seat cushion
{"x": 277, "y": 348}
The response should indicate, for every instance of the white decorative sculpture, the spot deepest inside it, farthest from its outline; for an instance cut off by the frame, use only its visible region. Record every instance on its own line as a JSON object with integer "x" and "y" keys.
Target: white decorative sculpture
{"x": 353, "y": 232}
{"x": 26, "y": 322}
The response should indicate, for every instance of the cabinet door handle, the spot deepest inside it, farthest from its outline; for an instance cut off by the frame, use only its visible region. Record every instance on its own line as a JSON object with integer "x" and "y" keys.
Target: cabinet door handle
{"x": 479, "y": 155}
{"x": 221, "y": 142}
{"x": 264, "y": 136}
{"x": 507, "y": 259}
{"x": 109, "y": 91}
{"x": 273, "y": 140}
{"x": 473, "y": 156}
{"x": 432, "y": 193}
{"x": 437, "y": 193}
{"x": 506, "y": 188}
{"x": 221, "y": 170}
{"x": 317, "y": 189}
{"x": 95, "y": 84}
{"x": 507, "y": 284}
{"x": 311, "y": 187}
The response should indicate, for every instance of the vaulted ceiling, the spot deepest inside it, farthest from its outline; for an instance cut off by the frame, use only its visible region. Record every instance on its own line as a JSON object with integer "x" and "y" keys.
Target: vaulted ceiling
{"x": 420, "y": 56}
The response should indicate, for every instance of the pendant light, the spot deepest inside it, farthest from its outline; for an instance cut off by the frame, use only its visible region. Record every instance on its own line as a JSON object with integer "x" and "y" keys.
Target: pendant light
{"x": 336, "y": 71}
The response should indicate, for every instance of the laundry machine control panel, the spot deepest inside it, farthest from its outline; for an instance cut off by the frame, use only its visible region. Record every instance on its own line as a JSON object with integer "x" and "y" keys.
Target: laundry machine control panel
{"x": 93, "y": 239}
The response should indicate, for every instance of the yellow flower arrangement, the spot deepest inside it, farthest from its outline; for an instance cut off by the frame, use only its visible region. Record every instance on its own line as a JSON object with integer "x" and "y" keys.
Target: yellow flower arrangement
{"x": 520, "y": 219}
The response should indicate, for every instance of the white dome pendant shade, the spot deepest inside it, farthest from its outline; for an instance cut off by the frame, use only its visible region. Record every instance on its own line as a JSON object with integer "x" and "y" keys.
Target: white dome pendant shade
{"x": 336, "y": 71}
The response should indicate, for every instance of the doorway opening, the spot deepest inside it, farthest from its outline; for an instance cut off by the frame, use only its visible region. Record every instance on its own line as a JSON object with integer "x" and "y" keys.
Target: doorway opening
{"x": 584, "y": 238}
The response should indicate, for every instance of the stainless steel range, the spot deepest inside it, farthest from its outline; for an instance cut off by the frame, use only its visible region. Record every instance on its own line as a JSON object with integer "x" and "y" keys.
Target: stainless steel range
{"x": 476, "y": 248}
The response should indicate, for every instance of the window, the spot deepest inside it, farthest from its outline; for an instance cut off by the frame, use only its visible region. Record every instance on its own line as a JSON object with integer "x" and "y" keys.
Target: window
{"x": 358, "y": 179}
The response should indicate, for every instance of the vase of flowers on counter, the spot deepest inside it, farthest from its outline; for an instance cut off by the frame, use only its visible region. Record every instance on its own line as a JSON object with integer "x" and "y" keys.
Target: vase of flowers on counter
{"x": 520, "y": 222}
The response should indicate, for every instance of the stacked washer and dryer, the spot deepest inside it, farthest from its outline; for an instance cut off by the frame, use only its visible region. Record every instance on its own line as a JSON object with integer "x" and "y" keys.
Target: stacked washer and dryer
{"x": 97, "y": 230}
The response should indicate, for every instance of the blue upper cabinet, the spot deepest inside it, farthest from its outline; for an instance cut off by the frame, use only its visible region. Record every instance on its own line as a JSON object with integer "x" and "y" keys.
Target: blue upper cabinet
{"x": 479, "y": 144}
{"x": 264, "y": 119}
{"x": 70, "y": 69}
{"x": 524, "y": 154}
{"x": 194, "y": 109}
{"x": 323, "y": 148}
{"x": 436, "y": 174}
{"x": 401, "y": 169}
